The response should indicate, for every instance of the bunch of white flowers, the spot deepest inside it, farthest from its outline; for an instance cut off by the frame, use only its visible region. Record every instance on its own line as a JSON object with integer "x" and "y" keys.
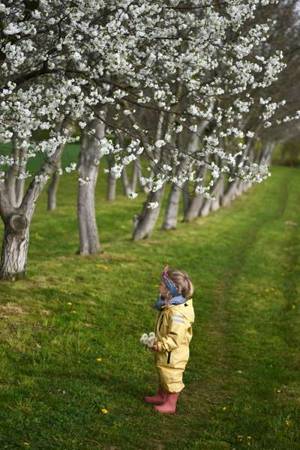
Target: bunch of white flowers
{"x": 148, "y": 339}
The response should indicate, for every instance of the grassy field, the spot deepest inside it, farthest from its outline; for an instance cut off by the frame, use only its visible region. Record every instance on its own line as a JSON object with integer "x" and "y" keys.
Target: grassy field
{"x": 72, "y": 371}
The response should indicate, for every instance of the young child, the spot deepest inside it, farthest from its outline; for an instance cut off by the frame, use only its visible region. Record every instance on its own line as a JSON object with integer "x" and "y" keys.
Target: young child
{"x": 173, "y": 332}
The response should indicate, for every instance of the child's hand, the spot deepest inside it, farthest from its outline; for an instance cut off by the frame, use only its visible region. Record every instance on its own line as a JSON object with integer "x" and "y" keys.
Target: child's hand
{"x": 154, "y": 347}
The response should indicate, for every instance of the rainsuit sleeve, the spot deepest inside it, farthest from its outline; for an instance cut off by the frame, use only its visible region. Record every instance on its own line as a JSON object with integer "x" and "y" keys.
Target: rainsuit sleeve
{"x": 176, "y": 333}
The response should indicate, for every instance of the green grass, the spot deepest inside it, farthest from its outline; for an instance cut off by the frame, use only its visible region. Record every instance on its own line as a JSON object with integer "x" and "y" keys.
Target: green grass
{"x": 242, "y": 381}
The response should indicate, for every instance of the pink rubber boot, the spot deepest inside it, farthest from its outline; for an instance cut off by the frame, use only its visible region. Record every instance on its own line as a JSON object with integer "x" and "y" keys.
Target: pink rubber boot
{"x": 169, "y": 406}
{"x": 157, "y": 399}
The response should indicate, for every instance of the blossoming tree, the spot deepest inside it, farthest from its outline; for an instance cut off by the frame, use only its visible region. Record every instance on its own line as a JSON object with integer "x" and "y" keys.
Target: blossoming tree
{"x": 172, "y": 83}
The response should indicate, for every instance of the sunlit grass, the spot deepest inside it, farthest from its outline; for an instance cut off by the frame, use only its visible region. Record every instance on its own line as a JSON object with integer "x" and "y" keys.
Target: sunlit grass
{"x": 72, "y": 371}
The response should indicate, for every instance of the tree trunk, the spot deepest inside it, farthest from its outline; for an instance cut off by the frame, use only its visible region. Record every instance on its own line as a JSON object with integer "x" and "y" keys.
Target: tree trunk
{"x": 171, "y": 215}
{"x": 212, "y": 204}
{"x": 130, "y": 186}
{"x": 196, "y": 202}
{"x": 17, "y": 217}
{"x": 136, "y": 174}
{"x": 218, "y": 192}
{"x": 239, "y": 188}
{"x": 15, "y": 247}
{"x": 145, "y": 222}
{"x": 194, "y": 208}
{"x": 186, "y": 197}
{"x": 20, "y": 185}
{"x": 112, "y": 186}
{"x": 170, "y": 221}
{"x": 229, "y": 194}
{"x": 205, "y": 207}
{"x": 88, "y": 231}
{"x": 13, "y": 184}
{"x": 52, "y": 191}
{"x": 125, "y": 182}
{"x": 266, "y": 154}
{"x": 89, "y": 158}
{"x": 247, "y": 186}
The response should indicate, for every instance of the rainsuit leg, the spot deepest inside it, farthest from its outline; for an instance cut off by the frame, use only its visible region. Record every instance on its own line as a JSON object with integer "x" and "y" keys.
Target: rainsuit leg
{"x": 171, "y": 379}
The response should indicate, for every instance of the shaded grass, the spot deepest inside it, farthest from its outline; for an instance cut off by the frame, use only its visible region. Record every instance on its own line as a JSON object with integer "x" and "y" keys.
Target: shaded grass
{"x": 242, "y": 381}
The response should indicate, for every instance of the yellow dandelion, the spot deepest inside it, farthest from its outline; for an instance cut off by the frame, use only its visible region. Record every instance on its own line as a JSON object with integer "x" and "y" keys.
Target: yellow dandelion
{"x": 104, "y": 410}
{"x": 102, "y": 266}
{"x": 98, "y": 359}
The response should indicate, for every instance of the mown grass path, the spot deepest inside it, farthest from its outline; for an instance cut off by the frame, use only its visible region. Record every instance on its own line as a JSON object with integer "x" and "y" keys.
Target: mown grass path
{"x": 69, "y": 333}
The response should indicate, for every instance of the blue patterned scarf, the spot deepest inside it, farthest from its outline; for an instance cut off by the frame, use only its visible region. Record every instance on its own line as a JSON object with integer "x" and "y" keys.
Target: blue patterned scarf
{"x": 160, "y": 302}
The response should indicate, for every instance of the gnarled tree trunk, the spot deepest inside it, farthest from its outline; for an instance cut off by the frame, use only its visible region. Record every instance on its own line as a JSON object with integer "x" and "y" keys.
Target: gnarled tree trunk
{"x": 14, "y": 247}
{"x": 88, "y": 166}
{"x": 17, "y": 210}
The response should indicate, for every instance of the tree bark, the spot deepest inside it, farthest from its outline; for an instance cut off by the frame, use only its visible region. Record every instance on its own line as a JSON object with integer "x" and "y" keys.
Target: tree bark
{"x": 170, "y": 221}
{"x": 239, "y": 188}
{"x": 196, "y": 202}
{"x": 14, "y": 183}
{"x": 217, "y": 192}
{"x": 136, "y": 174}
{"x": 186, "y": 197}
{"x": 128, "y": 186}
{"x": 89, "y": 158}
{"x": 266, "y": 154}
{"x": 112, "y": 186}
{"x": 205, "y": 207}
{"x": 194, "y": 208}
{"x": 229, "y": 194}
{"x": 145, "y": 222}
{"x": 20, "y": 185}
{"x": 14, "y": 247}
{"x": 125, "y": 182}
{"x": 52, "y": 190}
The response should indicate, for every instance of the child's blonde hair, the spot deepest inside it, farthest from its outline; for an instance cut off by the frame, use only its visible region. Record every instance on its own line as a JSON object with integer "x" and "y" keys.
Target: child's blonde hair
{"x": 182, "y": 282}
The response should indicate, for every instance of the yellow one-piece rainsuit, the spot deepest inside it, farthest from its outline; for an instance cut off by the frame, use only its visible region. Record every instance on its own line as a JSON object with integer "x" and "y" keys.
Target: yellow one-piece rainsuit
{"x": 173, "y": 332}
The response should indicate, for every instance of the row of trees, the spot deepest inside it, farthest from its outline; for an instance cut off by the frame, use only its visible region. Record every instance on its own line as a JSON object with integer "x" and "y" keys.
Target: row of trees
{"x": 194, "y": 89}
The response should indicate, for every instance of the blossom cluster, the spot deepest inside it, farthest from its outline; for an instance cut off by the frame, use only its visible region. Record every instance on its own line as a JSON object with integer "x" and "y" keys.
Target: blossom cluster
{"x": 173, "y": 82}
